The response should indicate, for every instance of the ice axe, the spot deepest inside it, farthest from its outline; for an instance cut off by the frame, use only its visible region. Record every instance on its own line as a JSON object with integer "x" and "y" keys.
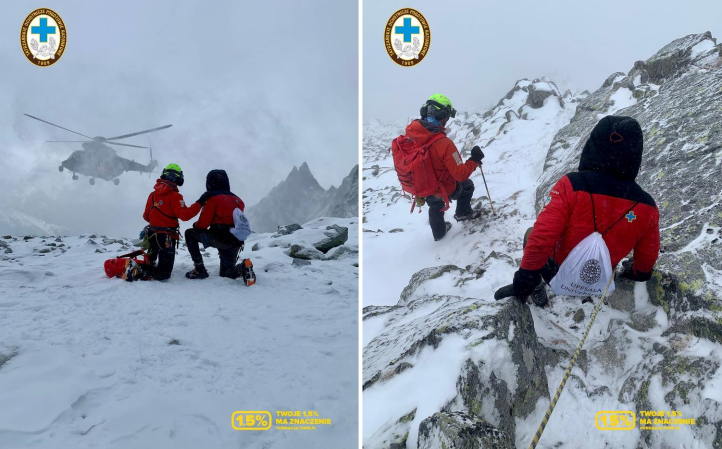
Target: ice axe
{"x": 487, "y": 190}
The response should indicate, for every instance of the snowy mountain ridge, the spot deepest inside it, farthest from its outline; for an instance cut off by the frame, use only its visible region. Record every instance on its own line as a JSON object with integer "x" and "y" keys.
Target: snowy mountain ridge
{"x": 447, "y": 366}
{"x": 14, "y": 222}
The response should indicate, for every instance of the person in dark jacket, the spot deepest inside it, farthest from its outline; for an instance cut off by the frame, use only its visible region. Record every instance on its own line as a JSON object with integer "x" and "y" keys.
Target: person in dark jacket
{"x": 452, "y": 174}
{"x": 164, "y": 207}
{"x": 601, "y": 196}
{"x": 213, "y": 227}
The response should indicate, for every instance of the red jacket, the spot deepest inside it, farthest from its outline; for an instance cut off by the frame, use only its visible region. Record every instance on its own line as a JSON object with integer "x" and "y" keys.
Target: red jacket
{"x": 445, "y": 158}
{"x": 219, "y": 210}
{"x": 165, "y": 206}
{"x": 568, "y": 218}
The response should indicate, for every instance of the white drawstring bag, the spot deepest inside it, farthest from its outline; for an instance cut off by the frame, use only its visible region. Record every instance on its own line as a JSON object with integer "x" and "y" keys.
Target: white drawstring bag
{"x": 242, "y": 228}
{"x": 587, "y": 269}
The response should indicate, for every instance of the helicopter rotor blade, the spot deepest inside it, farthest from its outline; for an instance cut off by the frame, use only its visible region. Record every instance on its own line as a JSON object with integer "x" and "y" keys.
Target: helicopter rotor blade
{"x": 139, "y": 132}
{"x": 75, "y": 141}
{"x": 58, "y": 126}
{"x": 124, "y": 144}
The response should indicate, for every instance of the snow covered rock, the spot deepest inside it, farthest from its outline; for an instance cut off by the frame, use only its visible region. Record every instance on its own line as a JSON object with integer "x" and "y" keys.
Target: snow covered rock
{"x": 674, "y": 97}
{"x": 289, "y": 229}
{"x": 498, "y": 369}
{"x": 304, "y": 252}
{"x": 459, "y": 430}
{"x": 335, "y": 236}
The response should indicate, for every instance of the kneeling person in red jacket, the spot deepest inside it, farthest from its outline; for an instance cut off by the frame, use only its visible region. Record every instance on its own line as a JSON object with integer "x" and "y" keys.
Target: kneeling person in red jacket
{"x": 602, "y": 196}
{"x": 163, "y": 209}
{"x": 213, "y": 227}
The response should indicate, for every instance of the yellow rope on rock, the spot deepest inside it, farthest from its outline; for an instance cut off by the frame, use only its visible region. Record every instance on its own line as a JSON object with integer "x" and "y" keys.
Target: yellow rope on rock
{"x": 543, "y": 424}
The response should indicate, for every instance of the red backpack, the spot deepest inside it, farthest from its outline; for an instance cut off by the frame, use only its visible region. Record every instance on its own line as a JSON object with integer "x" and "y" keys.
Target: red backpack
{"x": 413, "y": 167}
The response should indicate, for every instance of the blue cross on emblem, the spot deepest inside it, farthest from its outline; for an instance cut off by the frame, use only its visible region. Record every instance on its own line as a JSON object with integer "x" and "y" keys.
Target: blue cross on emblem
{"x": 407, "y": 30}
{"x": 630, "y": 217}
{"x": 43, "y": 30}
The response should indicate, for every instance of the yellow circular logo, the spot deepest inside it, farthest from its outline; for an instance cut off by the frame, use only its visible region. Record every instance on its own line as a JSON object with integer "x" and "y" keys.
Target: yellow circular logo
{"x": 43, "y": 37}
{"x": 407, "y": 37}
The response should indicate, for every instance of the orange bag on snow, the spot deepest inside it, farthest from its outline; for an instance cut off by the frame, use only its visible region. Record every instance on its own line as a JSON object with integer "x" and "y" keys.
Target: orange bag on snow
{"x": 127, "y": 266}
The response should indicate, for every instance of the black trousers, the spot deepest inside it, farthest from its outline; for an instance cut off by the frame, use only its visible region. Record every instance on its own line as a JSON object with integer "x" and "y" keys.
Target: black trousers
{"x": 462, "y": 195}
{"x": 161, "y": 254}
{"x": 228, "y": 252}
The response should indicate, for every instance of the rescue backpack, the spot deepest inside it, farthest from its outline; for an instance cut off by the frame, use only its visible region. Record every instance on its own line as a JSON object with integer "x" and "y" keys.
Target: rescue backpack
{"x": 413, "y": 167}
{"x": 128, "y": 267}
{"x": 588, "y": 267}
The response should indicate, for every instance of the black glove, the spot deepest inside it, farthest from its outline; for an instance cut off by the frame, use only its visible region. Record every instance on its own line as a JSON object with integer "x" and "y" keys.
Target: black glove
{"x": 202, "y": 200}
{"x": 525, "y": 281}
{"x": 476, "y": 155}
{"x": 628, "y": 272}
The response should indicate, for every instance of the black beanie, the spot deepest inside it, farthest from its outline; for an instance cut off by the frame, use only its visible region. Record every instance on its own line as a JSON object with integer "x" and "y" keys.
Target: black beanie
{"x": 615, "y": 146}
{"x": 217, "y": 180}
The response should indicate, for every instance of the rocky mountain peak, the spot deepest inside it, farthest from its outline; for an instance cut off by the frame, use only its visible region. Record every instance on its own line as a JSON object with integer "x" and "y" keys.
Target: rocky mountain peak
{"x": 300, "y": 198}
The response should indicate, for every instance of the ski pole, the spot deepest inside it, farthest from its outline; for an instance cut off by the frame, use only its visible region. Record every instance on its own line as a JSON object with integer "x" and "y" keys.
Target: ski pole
{"x": 487, "y": 190}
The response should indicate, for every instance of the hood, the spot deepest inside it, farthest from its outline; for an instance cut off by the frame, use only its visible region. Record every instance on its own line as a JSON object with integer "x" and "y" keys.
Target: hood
{"x": 217, "y": 180}
{"x": 162, "y": 186}
{"x": 615, "y": 147}
{"x": 421, "y": 130}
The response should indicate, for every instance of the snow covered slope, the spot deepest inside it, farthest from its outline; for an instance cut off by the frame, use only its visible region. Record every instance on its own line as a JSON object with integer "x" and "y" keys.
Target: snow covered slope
{"x": 444, "y": 365}
{"x": 13, "y": 222}
{"x": 87, "y": 361}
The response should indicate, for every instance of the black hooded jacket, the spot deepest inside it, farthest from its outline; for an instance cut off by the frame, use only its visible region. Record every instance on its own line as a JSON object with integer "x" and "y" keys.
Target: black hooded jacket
{"x": 611, "y": 160}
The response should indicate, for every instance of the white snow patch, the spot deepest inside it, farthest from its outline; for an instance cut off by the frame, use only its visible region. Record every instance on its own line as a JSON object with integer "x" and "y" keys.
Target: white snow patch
{"x": 433, "y": 378}
{"x": 622, "y": 98}
{"x": 702, "y": 47}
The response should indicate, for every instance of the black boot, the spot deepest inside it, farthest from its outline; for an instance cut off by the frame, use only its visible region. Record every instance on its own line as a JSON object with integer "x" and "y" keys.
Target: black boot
{"x": 539, "y": 295}
{"x": 448, "y": 226}
{"x": 245, "y": 270}
{"x": 199, "y": 272}
{"x": 471, "y": 216}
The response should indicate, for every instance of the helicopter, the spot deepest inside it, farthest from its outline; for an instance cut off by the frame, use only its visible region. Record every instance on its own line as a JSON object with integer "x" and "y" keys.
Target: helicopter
{"x": 98, "y": 160}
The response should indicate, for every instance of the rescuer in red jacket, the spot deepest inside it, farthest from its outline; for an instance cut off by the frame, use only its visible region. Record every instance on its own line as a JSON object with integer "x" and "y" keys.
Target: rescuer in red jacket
{"x": 625, "y": 215}
{"x": 213, "y": 227}
{"x": 451, "y": 172}
{"x": 165, "y": 206}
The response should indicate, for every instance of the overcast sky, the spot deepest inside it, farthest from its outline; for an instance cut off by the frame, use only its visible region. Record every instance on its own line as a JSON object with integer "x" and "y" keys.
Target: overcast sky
{"x": 480, "y": 48}
{"x": 252, "y": 87}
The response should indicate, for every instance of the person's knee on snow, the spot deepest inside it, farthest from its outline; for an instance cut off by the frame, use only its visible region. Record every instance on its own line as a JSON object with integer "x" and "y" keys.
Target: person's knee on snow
{"x": 213, "y": 227}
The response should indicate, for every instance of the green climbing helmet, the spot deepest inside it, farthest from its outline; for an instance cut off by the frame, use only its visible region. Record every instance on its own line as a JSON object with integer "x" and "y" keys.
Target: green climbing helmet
{"x": 174, "y": 167}
{"x": 442, "y": 99}
{"x": 438, "y": 106}
{"x": 173, "y": 173}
